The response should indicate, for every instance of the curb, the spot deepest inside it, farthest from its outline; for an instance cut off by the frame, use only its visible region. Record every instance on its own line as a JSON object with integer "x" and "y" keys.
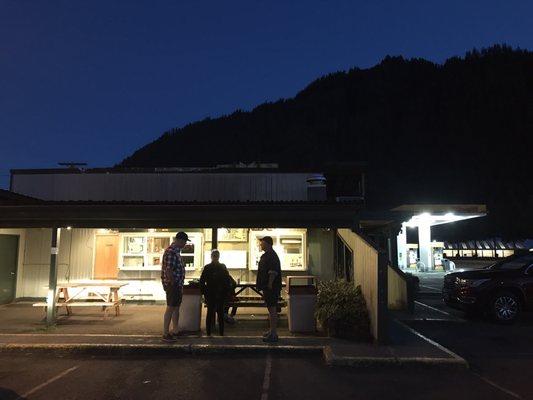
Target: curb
{"x": 243, "y": 349}
{"x": 457, "y": 359}
{"x": 156, "y": 349}
{"x": 453, "y": 361}
{"x": 333, "y": 360}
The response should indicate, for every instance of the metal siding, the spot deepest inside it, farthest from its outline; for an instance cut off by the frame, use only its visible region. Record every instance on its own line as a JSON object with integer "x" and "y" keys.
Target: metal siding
{"x": 164, "y": 187}
{"x": 75, "y": 259}
{"x": 36, "y": 263}
{"x": 76, "y": 251}
{"x": 320, "y": 253}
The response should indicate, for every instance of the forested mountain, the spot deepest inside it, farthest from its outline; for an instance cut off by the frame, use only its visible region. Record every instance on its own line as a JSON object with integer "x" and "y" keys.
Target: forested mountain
{"x": 458, "y": 131}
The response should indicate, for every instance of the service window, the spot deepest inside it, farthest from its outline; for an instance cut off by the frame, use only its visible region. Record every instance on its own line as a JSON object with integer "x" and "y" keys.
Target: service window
{"x": 144, "y": 250}
{"x": 289, "y": 244}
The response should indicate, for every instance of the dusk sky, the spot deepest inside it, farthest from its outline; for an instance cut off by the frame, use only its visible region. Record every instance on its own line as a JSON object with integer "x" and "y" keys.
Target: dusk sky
{"x": 94, "y": 80}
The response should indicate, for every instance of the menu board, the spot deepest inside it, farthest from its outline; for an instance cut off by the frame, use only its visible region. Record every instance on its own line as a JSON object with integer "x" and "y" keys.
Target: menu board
{"x": 289, "y": 244}
{"x": 233, "y": 259}
{"x": 144, "y": 250}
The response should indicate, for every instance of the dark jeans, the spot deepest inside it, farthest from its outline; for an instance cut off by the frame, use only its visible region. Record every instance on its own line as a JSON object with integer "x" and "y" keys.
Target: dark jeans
{"x": 215, "y": 305}
{"x": 233, "y": 311}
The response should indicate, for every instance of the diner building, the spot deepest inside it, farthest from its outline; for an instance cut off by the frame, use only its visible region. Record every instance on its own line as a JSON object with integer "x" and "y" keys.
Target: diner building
{"x": 72, "y": 224}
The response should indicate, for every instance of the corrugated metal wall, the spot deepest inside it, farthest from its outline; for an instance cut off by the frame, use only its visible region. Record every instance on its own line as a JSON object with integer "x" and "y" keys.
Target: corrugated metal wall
{"x": 75, "y": 259}
{"x": 321, "y": 253}
{"x": 164, "y": 187}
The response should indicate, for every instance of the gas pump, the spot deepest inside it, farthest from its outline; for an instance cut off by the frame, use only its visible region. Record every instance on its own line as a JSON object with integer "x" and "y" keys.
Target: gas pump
{"x": 437, "y": 254}
{"x": 412, "y": 255}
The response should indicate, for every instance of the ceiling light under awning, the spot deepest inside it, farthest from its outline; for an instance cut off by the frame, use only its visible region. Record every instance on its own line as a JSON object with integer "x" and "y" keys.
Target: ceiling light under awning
{"x": 438, "y": 219}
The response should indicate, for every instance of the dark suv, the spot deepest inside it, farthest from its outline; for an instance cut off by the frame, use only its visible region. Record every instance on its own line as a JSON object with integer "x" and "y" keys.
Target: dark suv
{"x": 502, "y": 289}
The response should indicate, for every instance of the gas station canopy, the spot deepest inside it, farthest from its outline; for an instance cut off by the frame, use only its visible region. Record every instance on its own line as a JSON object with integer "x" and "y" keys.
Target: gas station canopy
{"x": 438, "y": 214}
{"x": 424, "y": 216}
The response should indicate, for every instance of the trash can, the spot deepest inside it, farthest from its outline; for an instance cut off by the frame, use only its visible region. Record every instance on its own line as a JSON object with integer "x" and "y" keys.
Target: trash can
{"x": 301, "y": 304}
{"x": 190, "y": 309}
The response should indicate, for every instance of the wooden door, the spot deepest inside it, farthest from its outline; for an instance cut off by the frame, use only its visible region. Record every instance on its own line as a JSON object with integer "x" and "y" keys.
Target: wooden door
{"x": 9, "y": 246}
{"x": 106, "y": 257}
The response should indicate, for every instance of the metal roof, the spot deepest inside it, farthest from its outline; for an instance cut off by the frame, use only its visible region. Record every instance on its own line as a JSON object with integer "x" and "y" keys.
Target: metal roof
{"x": 7, "y": 197}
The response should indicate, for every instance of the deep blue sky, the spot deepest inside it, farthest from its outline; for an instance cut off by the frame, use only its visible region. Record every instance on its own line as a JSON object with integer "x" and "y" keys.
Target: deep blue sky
{"x": 94, "y": 80}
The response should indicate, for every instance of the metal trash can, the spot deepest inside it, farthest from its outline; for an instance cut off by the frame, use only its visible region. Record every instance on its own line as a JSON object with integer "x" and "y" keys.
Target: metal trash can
{"x": 302, "y": 304}
{"x": 190, "y": 309}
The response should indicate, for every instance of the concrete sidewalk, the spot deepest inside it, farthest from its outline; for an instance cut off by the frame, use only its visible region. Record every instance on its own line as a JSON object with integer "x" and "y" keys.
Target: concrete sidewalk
{"x": 136, "y": 332}
{"x": 406, "y": 347}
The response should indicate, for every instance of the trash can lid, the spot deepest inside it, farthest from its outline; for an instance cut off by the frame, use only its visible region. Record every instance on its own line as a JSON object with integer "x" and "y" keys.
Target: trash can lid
{"x": 302, "y": 289}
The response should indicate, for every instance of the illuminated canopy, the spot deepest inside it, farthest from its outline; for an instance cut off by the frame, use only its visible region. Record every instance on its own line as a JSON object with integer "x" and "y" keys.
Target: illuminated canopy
{"x": 438, "y": 214}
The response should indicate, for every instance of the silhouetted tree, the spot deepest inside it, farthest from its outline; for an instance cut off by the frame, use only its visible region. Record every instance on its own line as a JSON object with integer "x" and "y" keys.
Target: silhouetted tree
{"x": 461, "y": 131}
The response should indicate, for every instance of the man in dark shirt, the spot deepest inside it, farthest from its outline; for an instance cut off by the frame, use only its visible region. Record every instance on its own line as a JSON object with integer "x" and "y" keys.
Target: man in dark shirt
{"x": 215, "y": 285}
{"x": 269, "y": 282}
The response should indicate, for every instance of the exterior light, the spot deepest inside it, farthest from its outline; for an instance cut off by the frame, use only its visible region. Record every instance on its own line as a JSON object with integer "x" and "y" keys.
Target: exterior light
{"x": 69, "y": 228}
{"x": 425, "y": 217}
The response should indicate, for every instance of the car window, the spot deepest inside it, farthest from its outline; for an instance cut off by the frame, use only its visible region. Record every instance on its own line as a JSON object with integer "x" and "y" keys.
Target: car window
{"x": 515, "y": 263}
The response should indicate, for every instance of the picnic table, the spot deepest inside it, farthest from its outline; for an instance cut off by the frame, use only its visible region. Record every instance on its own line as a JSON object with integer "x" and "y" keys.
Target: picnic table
{"x": 250, "y": 301}
{"x": 87, "y": 294}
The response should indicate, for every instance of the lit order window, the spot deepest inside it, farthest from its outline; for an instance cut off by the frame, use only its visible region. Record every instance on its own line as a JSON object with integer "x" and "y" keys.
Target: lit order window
{"x": 144, "y": 250}
{"x": 289, "y": 244}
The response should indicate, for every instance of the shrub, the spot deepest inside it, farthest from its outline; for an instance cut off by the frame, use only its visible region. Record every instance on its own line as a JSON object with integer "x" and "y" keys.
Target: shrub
{"x": 341, "y": 310}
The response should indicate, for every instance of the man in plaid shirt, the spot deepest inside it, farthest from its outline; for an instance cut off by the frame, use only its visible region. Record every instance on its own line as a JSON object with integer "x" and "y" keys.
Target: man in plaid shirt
{"x": 172, "y": 278}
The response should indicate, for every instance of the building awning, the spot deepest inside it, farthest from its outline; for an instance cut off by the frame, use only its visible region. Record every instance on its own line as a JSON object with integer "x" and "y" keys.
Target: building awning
{"x": 183, "y": 215}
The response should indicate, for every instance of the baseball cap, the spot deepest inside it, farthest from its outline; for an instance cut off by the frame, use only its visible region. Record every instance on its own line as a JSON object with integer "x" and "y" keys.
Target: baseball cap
{"x": 267, "y": 239}
{"x": 182, "y": 236}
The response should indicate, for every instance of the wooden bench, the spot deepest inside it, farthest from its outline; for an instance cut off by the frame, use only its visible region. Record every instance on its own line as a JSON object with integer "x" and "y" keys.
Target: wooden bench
{"x": 104, "y": 305}
{"x": 253, "y": 303}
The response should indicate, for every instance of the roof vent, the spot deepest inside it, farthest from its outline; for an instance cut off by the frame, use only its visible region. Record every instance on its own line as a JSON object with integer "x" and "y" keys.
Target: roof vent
{"x": 316, "y": 188}
{"x": 72, "y": 164}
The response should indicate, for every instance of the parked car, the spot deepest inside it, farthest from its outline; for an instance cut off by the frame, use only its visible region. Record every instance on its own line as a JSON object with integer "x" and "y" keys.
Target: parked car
{"x": 502, "y": 289}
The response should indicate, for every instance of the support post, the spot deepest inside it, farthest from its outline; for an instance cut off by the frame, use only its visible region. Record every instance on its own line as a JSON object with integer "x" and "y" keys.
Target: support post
{"x": 52, "y": 278}
{"x": 383, "y": 299}
{"x": 401, "y": 243}
{"x": 424, "y": 245}
{"x": 214, "y": 238}
{"x": 392, "y": 242}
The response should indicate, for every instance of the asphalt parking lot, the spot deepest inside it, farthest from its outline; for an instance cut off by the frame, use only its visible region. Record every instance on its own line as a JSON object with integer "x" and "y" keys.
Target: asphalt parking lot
{"x": 500, "y": 354}
{"x": 259, "y": 377}
{"x": 500, "y": 359}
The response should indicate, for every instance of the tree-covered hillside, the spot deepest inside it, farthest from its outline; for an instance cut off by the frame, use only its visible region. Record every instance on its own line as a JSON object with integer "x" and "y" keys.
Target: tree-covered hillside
{"x": 459, "y": 131}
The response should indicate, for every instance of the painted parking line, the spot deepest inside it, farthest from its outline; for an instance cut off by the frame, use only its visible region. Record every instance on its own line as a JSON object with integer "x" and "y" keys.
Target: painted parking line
{"x": 453, "y": 355}
{"x": 48, "y": 382}
{"x": 435, "y": 309}
{"x": 431, "y": 288}
{"x": 499, "y": 387}
{"x": 266, "y": 379}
